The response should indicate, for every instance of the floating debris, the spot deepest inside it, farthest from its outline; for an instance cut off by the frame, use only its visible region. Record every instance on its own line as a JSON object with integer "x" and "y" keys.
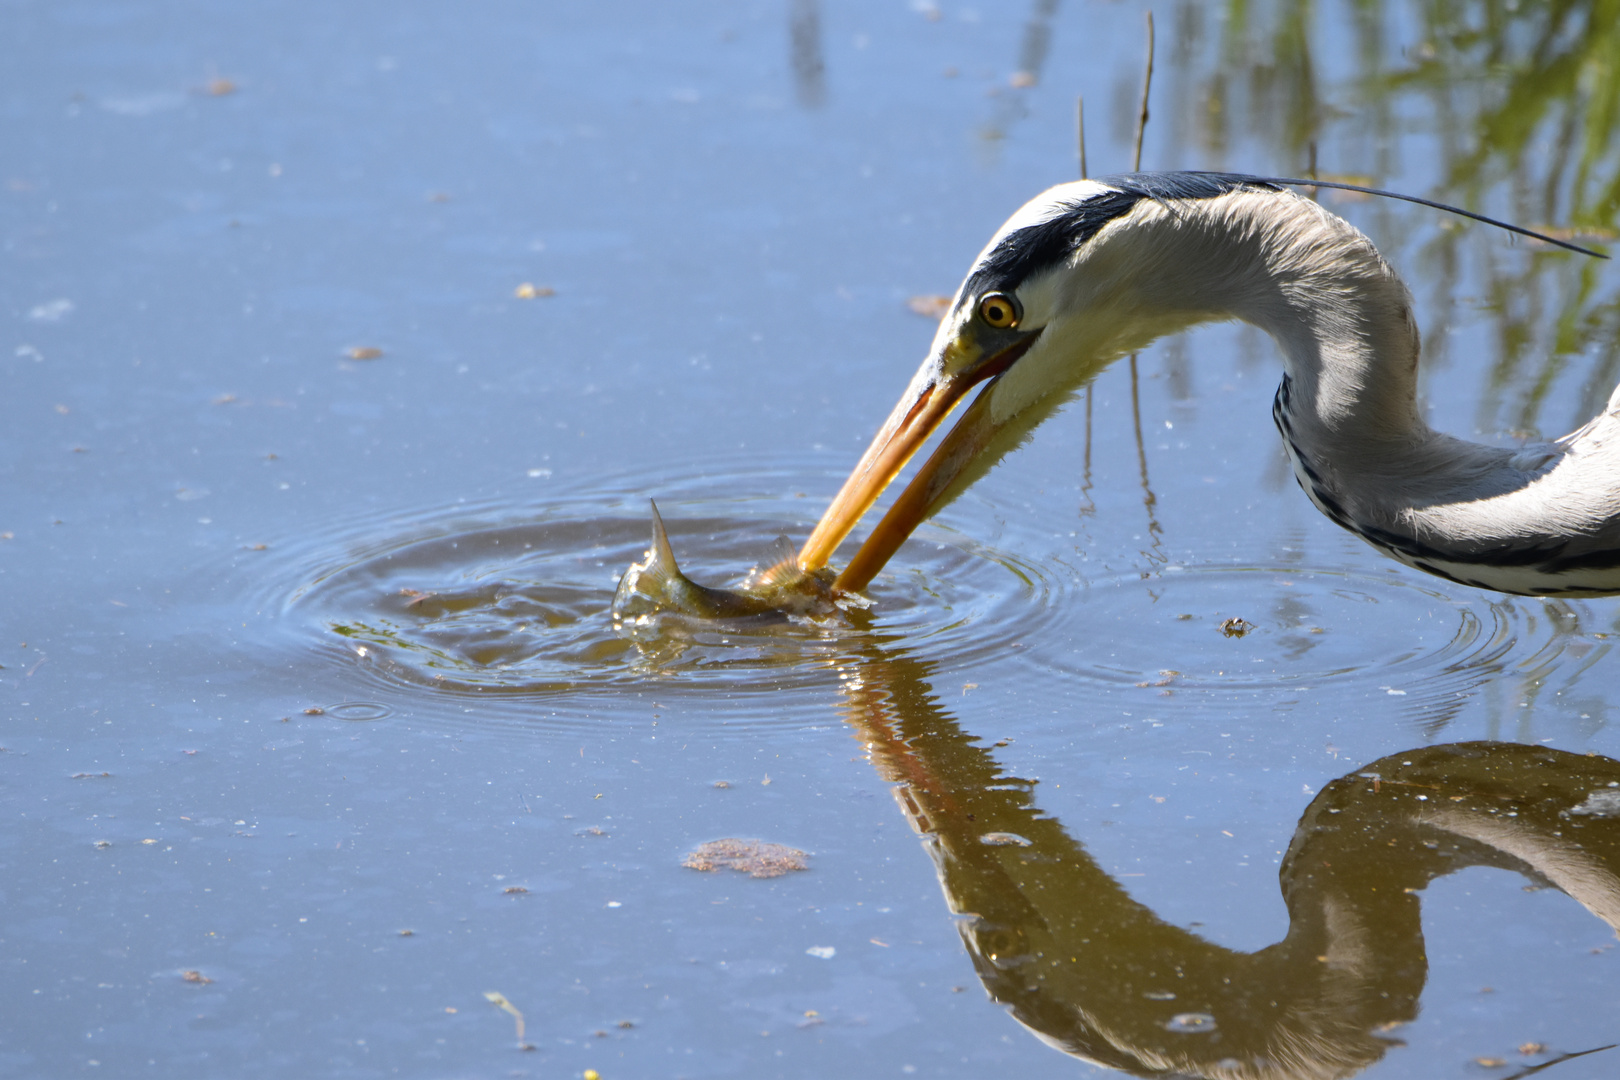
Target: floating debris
{"x": 1236, "y": 627}
{"x": 1190, "y": 1022}
{"x": 529, "y": 291}
{"x": 930, "y": 307}
{"x": 498, "y": 999}
{"x": 195, "y": 977}
{"x": 52, "y": 311}
{"x": 1602, "y": 803}
{"x": 757, "y": 858}
{"x": 363, "y": 352}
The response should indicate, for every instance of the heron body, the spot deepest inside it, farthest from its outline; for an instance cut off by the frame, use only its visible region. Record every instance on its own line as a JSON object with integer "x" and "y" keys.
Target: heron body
{"x": 1089, "y": 271}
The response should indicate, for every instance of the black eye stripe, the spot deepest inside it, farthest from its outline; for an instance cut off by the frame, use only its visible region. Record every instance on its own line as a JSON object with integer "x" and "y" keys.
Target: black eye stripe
{"x": 1040, "y": 247}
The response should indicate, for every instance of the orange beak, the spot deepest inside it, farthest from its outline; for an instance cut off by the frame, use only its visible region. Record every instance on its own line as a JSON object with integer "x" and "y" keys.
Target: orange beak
{"x": 919, "y": 413}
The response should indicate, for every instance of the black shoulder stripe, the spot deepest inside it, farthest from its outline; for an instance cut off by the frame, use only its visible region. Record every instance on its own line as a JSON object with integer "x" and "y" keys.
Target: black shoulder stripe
{"x": 1543, "y": 559}
{"x": 1436, "y": 571}
{"x": 1542, "y": 556}
{"x": 1591, "y": 560}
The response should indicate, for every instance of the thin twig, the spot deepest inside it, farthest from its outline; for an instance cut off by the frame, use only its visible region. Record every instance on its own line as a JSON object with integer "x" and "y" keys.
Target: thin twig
{"x": 1148, "y": 498}
{"x": 1559, "y": 1061}
{"x": 1085, "y": 468}
{"x": 1147, "y": 84}
{"x": 1080, "y": 126}
{"x": 1085, "y": 480}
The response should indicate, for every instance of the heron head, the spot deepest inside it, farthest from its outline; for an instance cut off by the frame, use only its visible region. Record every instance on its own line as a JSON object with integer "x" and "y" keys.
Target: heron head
{"x": 1007, "y": 330}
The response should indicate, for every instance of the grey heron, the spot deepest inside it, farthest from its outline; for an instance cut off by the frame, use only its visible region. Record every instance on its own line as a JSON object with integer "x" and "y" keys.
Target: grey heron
{"x": 1089, "y": 271}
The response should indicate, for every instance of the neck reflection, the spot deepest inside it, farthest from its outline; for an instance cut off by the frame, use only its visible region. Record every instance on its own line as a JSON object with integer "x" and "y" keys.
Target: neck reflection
{"x": 1098, "y": 975}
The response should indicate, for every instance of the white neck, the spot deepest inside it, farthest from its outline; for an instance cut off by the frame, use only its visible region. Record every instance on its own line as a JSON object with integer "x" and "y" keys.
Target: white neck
{"x": 1348, "y": 405}
{"x": 1280, "y": 262}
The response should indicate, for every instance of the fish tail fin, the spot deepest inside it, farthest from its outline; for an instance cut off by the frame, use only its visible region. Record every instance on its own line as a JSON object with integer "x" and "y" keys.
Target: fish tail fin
{"x": 660, "y": 567}
{"x": 648, "y": 586}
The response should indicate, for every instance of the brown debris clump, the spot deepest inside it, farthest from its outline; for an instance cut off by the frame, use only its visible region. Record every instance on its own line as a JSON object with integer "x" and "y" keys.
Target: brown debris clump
{"x": 930, "y": 307}
{"x": 756, "y": 857}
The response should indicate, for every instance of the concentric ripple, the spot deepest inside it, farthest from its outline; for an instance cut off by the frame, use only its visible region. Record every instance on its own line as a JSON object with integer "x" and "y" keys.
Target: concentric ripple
{"x": 511, "y": 607}
{"x": 1245, "y": 628}
{"x": 499, "y": 610}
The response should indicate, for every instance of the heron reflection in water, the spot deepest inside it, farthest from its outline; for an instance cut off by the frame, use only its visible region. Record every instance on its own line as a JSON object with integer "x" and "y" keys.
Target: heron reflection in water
{"x": 1090, "y": 271}
{"x": 1097, "y": 974}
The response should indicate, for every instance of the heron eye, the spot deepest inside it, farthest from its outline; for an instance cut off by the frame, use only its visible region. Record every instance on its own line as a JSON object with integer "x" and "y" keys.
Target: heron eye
{"x": 1000, "y": 310}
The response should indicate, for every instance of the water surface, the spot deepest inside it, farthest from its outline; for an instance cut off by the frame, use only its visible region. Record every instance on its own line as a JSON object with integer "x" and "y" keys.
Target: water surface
{"x": 316, "y": 730}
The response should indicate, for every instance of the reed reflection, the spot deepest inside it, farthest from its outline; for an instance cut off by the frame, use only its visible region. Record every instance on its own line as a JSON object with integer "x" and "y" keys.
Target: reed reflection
{"x": 805, "y": 54}
{"x": 1033, "y": 47}
{"x": 1098, "y": 975}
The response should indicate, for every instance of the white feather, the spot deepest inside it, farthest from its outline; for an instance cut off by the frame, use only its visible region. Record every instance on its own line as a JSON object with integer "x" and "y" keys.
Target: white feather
{"x": 1343, "y": 321}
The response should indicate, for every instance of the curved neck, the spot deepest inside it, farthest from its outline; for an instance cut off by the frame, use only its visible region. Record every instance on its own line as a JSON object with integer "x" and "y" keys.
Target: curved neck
{"x": 1315, "y": 284}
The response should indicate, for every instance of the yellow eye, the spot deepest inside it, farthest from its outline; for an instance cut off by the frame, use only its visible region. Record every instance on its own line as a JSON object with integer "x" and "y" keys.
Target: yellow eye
{"x": 1000, "y": 310}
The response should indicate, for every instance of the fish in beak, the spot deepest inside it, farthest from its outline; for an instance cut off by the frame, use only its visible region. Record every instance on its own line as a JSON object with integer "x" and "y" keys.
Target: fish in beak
{"x": 656, "y": 587}
{"x": 978, "y": 342}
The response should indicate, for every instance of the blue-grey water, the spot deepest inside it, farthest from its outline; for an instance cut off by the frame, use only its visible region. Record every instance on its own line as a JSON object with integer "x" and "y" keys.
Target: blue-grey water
{"x": 314, "y": 728}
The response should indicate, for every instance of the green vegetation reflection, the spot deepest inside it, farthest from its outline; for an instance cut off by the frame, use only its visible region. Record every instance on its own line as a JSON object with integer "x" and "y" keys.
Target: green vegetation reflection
{"x": 1520, "y": 104}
